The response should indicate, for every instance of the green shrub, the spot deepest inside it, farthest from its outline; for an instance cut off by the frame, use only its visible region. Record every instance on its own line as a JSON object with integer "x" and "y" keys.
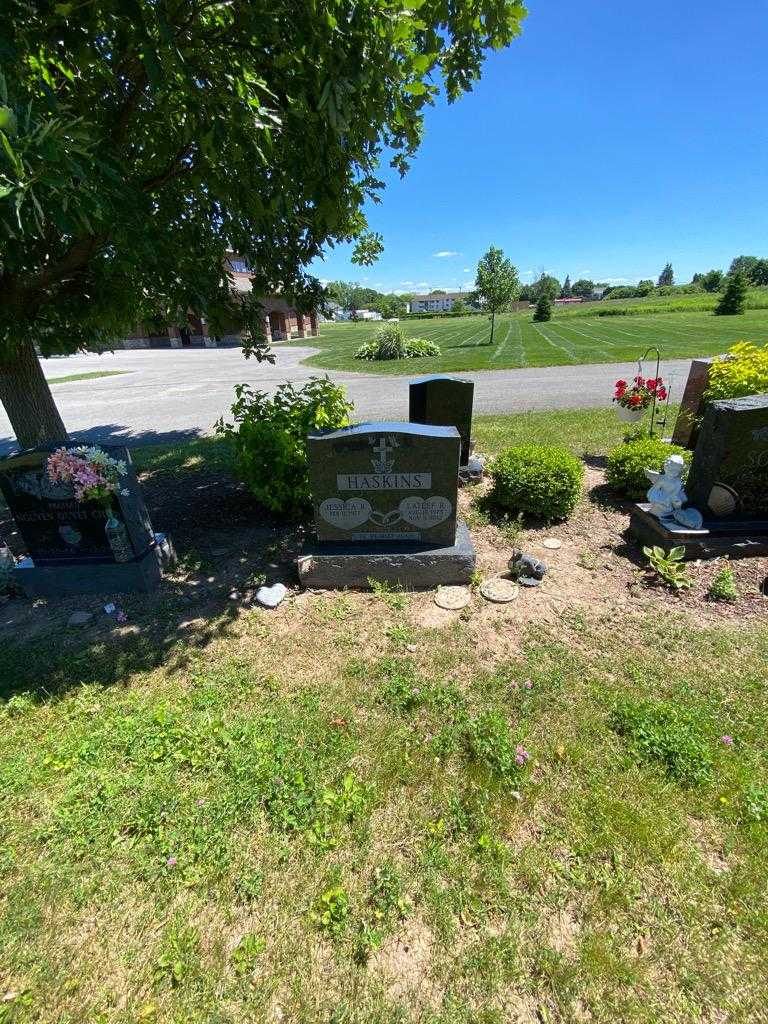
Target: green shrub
{"x": 627, "y": 463}
{"x": 390, "y": 343}
{"x": 269, "y": 438}
{"x": 723, "y": 586}
{"x": 744, "y": 372}
{"x": 539, "y": 480}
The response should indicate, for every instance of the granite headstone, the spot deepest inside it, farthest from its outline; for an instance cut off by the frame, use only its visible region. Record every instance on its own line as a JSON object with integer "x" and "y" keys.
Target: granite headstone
{"x": 691, "y": 404}
{"x": 54, "y": 527}
{"x": 384, "y": 498}
{"x": 444, "y": 401}
{"x": 731, "y": 457}
{"x": 385, "y": 482}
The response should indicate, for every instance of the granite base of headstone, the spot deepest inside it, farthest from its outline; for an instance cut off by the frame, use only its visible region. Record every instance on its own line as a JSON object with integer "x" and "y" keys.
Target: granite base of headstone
{"x": 385, "y": 497}
{"x": 727, "y": 483}
{"x": 66, "y": 543}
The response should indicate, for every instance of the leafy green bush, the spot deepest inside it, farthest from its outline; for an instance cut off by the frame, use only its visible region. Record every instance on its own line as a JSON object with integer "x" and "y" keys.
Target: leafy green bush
{"x": 723, "y": 586}
{"x": 743, "y": 372}
{"x": 269, "y": 438}
{"x": 390, "y": 343}
{"x": 667, "y": 735}
{"x": 539, "y": 480}
{"x": 669, "y": 567}
{"x": 625, "y": 471}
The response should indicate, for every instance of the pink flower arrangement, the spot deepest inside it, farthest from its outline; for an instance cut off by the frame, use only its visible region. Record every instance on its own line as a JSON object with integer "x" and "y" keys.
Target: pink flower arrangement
{"x": 640, "y": 393}
{"x": 521, "y": 755}
{"x": 93, "y": 475}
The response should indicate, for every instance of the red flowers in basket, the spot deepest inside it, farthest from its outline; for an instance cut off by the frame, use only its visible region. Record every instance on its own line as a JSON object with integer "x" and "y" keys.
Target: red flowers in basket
{"x": 640, "y": 393}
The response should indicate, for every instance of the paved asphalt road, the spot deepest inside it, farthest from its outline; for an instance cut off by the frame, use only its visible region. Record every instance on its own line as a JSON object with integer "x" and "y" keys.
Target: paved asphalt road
{"x": 173, "y": 394}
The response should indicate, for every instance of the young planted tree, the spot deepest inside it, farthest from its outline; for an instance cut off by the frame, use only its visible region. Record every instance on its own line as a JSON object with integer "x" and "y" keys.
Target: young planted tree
{"x": 496, "y": 284}
{"x": 667, "y": 276}
{"x": 543, "y": 309}
{"x": 140, "y": 140}
{"x": 567, "y": 292}
{"x": 734, "y": 299}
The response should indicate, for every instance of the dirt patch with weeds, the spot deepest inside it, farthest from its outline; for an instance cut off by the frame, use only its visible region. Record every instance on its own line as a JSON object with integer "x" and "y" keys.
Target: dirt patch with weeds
{"x": 403, "y": 963}
{"x": 595, "y": 573}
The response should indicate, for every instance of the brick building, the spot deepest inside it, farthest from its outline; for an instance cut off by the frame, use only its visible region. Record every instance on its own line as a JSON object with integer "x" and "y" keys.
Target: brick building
{"x": 281, "y": 322}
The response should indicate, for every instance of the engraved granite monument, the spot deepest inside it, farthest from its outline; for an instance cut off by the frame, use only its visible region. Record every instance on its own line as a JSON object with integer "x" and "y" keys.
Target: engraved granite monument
{"x": 444, "y": 401}
{"x": 727, "y": 482}
{"x": 384, "y": 498}
{"x": 67, "y": 545}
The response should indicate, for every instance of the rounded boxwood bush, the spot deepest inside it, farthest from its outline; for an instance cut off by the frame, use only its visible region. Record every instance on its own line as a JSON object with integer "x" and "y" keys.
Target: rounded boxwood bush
{"x": 627, "y": 463}
{"x": 540, "y": 480}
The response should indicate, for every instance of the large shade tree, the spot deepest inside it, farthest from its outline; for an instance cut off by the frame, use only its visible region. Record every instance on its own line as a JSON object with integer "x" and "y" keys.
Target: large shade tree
{"x": 142, "y": 139}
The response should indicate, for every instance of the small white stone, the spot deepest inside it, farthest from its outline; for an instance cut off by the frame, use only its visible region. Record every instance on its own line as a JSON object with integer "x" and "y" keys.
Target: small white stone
{"x": 452, "y": 598}
{"x": 499, "y": 590}
{"x": 271, "y": 597}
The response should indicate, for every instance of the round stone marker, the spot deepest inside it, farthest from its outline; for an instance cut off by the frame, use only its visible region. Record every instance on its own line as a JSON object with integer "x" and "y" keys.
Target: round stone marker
{"x": 552, "y": 543}
{"x": 452, "y": 598}
{"x": 499, "y": 590}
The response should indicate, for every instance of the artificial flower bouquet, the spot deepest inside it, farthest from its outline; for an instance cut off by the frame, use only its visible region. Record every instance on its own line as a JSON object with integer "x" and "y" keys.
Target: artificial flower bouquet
{"x": 639, "y": 395}
{"x": 94, "y": 475}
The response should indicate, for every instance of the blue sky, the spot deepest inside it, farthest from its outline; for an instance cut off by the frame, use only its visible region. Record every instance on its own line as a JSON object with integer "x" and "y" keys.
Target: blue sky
{"x": 608, "y": 139}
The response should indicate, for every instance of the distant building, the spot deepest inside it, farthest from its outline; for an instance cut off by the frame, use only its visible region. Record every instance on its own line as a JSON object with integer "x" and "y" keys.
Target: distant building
{"x": 568, "y": 302}
{"x": 281, "y": 321}
{"x": 439, "y": 302}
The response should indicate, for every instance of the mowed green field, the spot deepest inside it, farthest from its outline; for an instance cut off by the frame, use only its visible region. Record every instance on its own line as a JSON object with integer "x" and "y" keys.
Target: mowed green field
{"x": 564, "y": 340}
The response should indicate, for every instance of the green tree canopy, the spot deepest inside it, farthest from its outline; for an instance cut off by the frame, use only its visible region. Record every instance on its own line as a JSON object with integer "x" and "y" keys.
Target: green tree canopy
{"x": 546, "y": 283}
{"x": 712, "y": 281}
{"x": 667, "y": 276}
{"x": 583, "y": 288}
{"x": 496, "y": 283}
{"x": 567, "y": 292}
{"x": 543, "y": 309}
{"x": 734, "y": 299}
{"x": 754, "y": 269}
{"x": 142, "y": 139}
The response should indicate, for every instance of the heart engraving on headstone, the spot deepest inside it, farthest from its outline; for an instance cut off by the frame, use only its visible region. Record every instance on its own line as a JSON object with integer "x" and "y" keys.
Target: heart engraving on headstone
{"x": 345, "y": 515}
{"x": 425, "y": 512}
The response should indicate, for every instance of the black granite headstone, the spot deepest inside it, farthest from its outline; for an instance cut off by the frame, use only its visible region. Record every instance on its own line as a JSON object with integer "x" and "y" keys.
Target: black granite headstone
{"x": 55, "y": 528}
{"x": 394, "y": 482}
{"x": 446, "y": 402}
{"x": 729, "y": 472}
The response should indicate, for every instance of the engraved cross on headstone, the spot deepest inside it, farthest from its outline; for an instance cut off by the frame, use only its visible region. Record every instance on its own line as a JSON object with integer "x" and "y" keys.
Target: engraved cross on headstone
{"x": 382, "y": 463}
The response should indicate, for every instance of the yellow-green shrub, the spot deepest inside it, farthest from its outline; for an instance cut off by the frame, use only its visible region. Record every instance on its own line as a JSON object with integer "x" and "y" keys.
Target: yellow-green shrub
{"x": 743, "y": 372}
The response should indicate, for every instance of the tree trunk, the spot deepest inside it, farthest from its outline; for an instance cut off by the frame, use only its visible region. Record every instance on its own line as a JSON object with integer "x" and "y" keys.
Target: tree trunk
{"x": 493, "y": 325}
{"x": 28, "y": 401}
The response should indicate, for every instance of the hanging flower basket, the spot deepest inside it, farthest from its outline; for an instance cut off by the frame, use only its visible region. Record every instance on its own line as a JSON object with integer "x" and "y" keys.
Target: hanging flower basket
{"x": 633, "y": 399}
{"x": 629, "y": 415}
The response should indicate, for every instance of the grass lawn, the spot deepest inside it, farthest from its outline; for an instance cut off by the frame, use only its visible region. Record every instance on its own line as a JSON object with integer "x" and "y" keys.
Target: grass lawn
{"x": 216, "y": 814}
{"x": 86, "y": 376}
{"x": 567, "y": 339}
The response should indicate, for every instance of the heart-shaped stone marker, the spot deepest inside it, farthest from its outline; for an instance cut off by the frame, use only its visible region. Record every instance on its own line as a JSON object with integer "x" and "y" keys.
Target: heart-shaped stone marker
{"x": 270, "y": 597}
{"x": 345, "y": 515}
{"x": 425, "y": 512}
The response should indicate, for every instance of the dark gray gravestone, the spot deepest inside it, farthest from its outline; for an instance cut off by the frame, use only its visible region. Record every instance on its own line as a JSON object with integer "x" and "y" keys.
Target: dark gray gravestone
{"x": 66, "y": 540}
{"x": 56, "y": 529}
{"x": 384, "y": 497}
{"x": 731, "y": 458}
{"x": 728, "y": 483}
{"x": 385, "y": 481}
{"x": 444, "y": 402}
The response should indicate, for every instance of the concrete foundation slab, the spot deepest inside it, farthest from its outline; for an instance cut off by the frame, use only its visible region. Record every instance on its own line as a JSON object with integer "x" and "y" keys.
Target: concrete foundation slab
{"x": 334, "y": 566}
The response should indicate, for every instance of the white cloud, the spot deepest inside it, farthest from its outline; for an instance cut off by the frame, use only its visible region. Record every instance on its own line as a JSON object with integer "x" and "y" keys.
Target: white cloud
{"x": 422, "y": 284}
{"x": 527, "y": 273}
{"x": 445, "y": 252}
{"x": 466, "y": 270}
{"x": 619, "y": 280}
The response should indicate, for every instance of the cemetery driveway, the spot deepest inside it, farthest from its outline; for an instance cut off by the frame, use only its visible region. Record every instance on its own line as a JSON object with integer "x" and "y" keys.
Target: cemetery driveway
{"x": 170, "y": 395}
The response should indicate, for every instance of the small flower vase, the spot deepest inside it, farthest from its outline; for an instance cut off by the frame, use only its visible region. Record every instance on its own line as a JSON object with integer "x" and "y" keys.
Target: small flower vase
{"x": 629, "y": 415}
{"x": 117, "y": 537}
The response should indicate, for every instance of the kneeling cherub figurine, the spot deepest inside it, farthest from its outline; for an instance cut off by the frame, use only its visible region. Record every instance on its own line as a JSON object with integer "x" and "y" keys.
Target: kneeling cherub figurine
{"x": 667, "y": 494}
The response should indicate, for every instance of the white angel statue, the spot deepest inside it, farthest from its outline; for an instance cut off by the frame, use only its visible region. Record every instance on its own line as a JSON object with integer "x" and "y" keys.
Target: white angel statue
{"x": 667, "y": 495}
